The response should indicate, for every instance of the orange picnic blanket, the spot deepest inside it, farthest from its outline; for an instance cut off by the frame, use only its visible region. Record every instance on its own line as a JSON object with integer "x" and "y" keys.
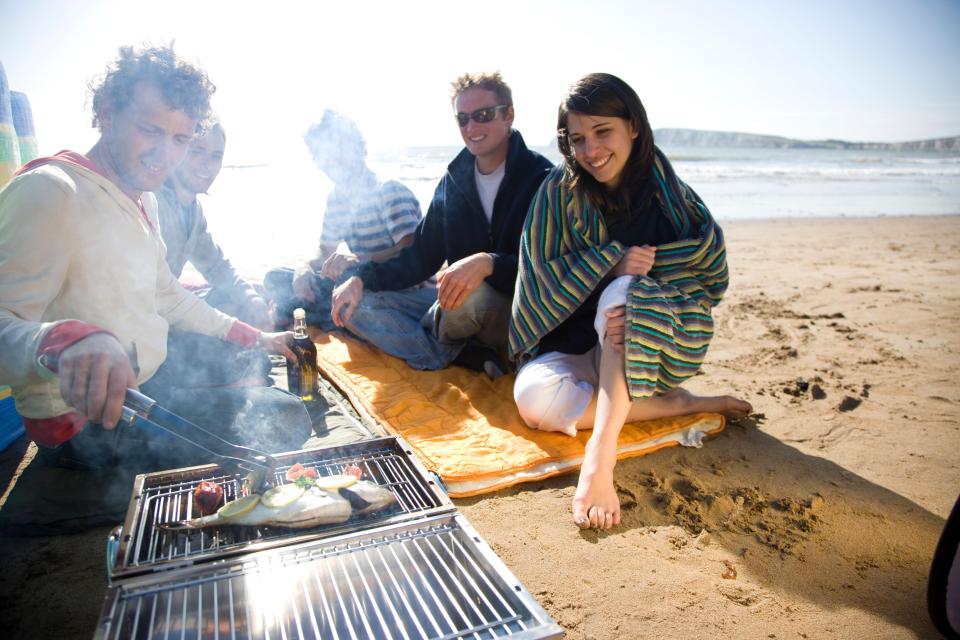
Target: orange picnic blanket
{"x": 465, "y": 427}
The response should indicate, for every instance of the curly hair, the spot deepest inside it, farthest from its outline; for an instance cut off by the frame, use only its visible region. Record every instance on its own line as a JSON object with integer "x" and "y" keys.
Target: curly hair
{"x": 488, "y": 81}
{"x": 184, "y": 86}
{"x": 602, "y": 94}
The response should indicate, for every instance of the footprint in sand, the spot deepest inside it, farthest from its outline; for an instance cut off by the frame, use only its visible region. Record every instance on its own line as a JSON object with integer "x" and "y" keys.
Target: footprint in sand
{"x": 849, "y": 403}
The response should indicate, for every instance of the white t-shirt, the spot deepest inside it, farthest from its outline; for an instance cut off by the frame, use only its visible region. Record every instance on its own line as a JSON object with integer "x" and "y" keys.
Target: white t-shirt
{"x": 488, "y": 185}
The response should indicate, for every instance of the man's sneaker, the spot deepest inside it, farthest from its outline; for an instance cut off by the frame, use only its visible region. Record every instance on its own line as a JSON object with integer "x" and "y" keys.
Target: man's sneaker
{"x": 479, "y": 357}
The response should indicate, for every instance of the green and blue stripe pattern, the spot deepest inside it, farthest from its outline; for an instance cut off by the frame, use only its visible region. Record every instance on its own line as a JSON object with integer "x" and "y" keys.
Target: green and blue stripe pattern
{"x": 565, "y": 251}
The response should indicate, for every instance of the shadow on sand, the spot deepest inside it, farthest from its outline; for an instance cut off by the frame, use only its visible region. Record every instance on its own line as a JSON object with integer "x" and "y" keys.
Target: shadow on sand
{"x": 800, "y": 523}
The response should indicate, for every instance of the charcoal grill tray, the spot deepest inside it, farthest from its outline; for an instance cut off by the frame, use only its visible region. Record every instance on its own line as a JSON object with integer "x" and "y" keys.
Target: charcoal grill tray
{"x": 430, "y": 578}
{"x": 167, "y": 496}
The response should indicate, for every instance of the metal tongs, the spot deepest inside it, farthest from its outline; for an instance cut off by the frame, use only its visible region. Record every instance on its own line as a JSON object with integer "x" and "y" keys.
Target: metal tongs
{"x": 142, "y": 411}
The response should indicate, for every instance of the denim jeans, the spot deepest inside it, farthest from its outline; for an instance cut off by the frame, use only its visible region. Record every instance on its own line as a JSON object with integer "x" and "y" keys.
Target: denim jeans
{"x": 394, "y": 322}
{"x": 278, "y": 284}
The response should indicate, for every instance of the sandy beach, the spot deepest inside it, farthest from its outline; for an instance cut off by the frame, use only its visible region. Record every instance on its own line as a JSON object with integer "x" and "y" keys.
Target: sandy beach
{"x": 815, "y": 518}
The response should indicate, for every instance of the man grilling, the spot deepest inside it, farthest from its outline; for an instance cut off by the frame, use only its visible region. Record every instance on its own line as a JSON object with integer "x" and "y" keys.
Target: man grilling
{"x": 85, "y": 289}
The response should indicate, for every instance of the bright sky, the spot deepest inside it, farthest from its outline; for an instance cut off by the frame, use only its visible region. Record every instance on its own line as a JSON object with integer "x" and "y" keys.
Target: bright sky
{"x": 879, "y": 70}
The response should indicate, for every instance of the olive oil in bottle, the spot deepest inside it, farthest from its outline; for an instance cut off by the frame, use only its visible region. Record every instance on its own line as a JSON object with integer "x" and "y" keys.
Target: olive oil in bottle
{"x": 302, "y": 375}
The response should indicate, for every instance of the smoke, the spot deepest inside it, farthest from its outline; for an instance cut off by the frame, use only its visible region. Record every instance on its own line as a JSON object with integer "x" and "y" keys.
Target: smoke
{"x": 217, "y": 386}
{"x": 226, "y": 389}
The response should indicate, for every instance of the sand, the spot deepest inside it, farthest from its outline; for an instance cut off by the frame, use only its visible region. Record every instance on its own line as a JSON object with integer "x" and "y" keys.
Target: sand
{"x": 815, "y": 518}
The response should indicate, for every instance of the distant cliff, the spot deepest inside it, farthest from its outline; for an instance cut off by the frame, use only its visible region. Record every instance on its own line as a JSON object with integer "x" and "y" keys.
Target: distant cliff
{"x": 698, "y": 138}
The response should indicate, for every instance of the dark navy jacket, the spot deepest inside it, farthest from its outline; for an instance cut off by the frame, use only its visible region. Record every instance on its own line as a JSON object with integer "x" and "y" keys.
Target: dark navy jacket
{"x": 456, "y": 227}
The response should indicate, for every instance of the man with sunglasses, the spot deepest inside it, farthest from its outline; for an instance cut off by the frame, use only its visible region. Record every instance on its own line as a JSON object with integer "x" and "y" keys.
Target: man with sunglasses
{"x": 473, "y": 225}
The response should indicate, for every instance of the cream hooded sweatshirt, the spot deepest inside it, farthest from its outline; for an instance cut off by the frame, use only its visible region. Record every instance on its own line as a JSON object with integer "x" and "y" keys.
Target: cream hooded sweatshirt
{"x": 75, "y": 247}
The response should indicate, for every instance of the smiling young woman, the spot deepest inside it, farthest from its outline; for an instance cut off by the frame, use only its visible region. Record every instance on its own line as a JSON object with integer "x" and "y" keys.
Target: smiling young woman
{"x": 620, "y": 266}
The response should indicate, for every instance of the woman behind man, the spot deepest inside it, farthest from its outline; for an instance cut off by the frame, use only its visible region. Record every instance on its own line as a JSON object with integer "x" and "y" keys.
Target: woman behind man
{"x": 620, "y": 266}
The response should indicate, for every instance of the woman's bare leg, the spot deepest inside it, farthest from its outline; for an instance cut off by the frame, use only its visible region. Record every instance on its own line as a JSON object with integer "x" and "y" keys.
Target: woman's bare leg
{"x": 678, "y": 402}
{"x": 595, "y": 503}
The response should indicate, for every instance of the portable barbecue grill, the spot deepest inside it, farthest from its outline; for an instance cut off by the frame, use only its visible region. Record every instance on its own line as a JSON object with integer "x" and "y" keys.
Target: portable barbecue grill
{"x": 167, "y": 497}
{"x": 415, "y": 570}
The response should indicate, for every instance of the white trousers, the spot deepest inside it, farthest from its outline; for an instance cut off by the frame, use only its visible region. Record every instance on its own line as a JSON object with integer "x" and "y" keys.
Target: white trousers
{"x": 553, "y": 390}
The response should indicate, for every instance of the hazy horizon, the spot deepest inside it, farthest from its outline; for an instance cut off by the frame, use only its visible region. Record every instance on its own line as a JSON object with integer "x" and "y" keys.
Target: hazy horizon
{"x": 881, "y": 71}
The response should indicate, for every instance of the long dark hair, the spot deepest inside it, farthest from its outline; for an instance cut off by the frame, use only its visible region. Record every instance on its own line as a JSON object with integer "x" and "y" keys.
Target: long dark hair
{"x": 602, "y": 94}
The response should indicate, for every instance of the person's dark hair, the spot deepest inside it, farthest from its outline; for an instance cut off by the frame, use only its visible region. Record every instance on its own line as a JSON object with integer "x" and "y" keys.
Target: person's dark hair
{"x": 334, "y": 127}
{"x": 184, "y": 86}
{"x": 602, "y": 94}
{"x": 488, "y": 81}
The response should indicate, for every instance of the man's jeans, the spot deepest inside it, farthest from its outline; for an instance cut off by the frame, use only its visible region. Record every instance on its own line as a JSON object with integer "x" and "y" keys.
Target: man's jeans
{"x": 391, "y": 321}
{"x": 410, "y": 325}
{"x": 484, "y": 316}
{"x": 279, "y": 286}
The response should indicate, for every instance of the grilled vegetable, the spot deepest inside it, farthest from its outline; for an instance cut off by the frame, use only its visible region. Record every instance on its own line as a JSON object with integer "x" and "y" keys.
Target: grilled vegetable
{"x": 207, "y": 497}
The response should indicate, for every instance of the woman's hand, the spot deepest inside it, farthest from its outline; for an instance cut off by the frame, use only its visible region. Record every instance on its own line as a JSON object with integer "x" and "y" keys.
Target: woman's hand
{"x": 637, "y": 261}
{"x": 616, "y": 327}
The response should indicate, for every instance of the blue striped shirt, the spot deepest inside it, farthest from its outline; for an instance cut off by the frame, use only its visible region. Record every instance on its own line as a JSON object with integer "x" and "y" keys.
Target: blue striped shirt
{"x": 372, "y": 220}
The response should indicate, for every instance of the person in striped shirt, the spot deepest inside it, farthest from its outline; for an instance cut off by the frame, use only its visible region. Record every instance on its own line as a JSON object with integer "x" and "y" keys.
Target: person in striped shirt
{"x": 365, "y": 220}
{"x": 620, "y": 266}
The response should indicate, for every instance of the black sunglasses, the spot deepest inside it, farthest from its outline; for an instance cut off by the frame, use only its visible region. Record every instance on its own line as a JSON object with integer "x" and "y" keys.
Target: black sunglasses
{"x": 480, "y": 115}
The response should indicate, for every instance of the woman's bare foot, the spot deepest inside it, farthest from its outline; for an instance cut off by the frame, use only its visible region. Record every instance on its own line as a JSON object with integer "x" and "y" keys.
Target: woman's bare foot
{"x": 728, "y": 406}
{"x": 595, "y": 503}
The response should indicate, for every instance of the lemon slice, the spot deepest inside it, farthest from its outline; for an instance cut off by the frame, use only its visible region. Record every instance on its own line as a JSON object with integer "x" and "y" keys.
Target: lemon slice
{"x": 238, "y": 507}
{"x": 281, "y": 496}
{"x": 332, "y": 483}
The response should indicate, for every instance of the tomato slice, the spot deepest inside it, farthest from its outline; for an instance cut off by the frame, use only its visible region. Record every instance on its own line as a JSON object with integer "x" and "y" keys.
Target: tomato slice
{"x": 295, "y": 472}
{"x": 298, "y": 470}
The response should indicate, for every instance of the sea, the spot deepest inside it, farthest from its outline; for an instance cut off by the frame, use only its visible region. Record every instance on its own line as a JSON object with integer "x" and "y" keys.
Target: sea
{"x": 270, "y": 215}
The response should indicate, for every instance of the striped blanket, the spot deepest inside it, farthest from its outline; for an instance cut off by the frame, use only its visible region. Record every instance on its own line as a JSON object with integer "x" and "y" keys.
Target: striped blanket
{"x": 565, "y": 251}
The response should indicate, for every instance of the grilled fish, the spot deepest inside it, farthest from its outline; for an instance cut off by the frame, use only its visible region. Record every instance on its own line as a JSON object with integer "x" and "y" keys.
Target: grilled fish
{"x": 367, "y": 497}
{"x": 294, "y": 507}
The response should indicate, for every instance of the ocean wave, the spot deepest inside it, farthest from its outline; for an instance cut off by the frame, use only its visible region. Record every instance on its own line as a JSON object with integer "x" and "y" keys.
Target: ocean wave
{"x": 816, "y": 173}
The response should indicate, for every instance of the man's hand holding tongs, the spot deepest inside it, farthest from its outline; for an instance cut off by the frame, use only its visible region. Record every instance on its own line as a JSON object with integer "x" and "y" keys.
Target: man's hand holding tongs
{"x": 94, "y": 375}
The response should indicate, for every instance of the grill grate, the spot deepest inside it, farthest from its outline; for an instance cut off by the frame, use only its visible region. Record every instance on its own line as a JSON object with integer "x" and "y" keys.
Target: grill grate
{"x": 167, "y": 497}
{"x": 432, "y": 578}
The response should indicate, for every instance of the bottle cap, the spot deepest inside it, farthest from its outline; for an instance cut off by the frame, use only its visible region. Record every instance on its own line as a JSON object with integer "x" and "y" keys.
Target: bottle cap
{"x": 299, "y": 314}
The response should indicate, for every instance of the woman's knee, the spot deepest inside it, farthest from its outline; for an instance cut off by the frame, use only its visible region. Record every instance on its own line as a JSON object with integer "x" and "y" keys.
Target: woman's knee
{"x": 551, "y": 402}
